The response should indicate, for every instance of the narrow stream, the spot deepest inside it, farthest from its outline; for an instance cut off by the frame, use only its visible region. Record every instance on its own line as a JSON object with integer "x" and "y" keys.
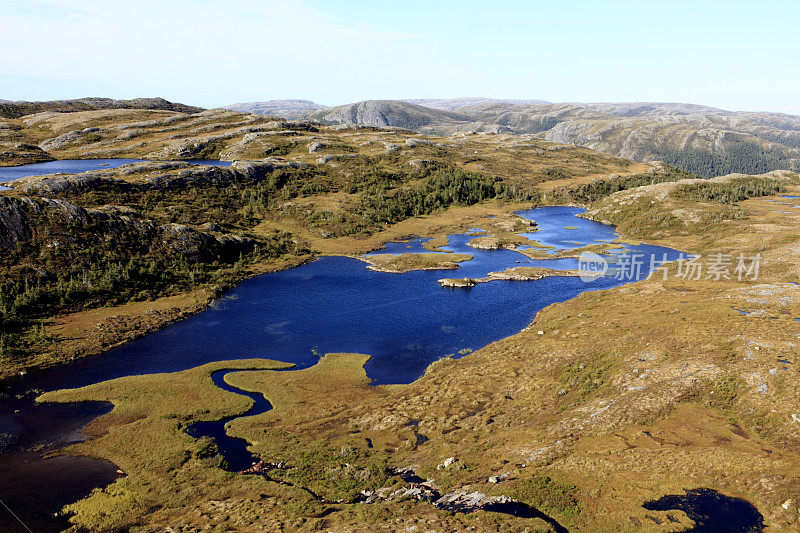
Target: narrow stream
{"x": 233, "y": 449}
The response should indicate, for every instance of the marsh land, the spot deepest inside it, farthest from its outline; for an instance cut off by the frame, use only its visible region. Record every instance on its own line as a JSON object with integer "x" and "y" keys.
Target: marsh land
{"x": 292, "y": 294}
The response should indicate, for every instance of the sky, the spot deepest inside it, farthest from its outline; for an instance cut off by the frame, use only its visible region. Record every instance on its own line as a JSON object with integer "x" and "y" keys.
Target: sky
{"x": 734, "y": 54}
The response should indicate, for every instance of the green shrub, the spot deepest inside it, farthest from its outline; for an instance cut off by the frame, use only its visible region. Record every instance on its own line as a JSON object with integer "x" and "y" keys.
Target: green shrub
{"x": 547, "y": 495}
{"x": 731, "y": 192}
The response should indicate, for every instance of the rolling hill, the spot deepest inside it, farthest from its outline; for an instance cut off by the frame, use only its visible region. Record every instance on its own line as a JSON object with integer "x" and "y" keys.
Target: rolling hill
{"x": 451, "y": 104}
{"x": 9, "y": 109}
{"x": 389, "y": 113}
{"x": 288, "y": 109}
{"x": 701, "y": 139}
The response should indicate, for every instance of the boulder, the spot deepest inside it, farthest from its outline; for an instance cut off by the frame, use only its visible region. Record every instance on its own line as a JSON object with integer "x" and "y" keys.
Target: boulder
{"x": 316, "y": 147}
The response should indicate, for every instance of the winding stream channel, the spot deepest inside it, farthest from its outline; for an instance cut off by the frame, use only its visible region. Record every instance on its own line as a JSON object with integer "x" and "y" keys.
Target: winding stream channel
{"x": 334, "y": 304}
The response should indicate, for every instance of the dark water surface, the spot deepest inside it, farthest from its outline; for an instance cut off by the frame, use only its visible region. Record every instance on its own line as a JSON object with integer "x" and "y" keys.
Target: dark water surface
{"x": 234, "y": 450}
{"x": 335, "y": 304}
{"x": 33, "y": 486}
{"x": 712, "y": 511}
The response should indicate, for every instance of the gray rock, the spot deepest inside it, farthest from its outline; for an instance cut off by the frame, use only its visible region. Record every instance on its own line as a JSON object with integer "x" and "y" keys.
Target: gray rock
{"x": 62, "y": 141}
{"x": 20, "y": 218}
{"x": 316, "y": 147}
{"x": 413, "y": 143}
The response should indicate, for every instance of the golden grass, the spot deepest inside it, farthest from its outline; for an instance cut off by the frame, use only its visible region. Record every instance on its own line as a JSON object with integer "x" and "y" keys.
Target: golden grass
{"x": 627, "y": 394}
{"x": 623, "y": 393}
{"x": 144, "y": 436}
{"x": 407, "y": 262}
{"x": 437, "y": 226}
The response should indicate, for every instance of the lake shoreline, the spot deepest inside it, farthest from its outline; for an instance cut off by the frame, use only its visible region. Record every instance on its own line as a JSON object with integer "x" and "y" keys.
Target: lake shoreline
{"x": 506, "y": 254}
{"x": 124, "y": 337}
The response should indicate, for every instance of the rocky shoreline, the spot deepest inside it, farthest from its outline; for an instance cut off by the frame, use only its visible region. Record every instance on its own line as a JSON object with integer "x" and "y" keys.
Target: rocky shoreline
{"x": 401, "y": 263}
{"x": 512, "y": 274}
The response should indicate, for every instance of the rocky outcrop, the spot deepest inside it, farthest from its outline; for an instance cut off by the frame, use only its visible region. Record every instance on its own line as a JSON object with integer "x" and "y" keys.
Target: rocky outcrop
{"x": 14, "y": 226}
{"x": 527, "y": 274}
{"x": 191, "y": 148}
{"x": 511, "y": 274}
{"x": 59, "y": 183}
{"x": 289, "y": 109}
{"x": 159, "y": 176}
{"x": 261, "y": 169}
{"x": 22, "y": 154}
{"x": 196, "y": 246}
{"x": 490, "y": 242}
{"x": 327, "y": 158}
{"x": 459, "y": 500}
{"x": 383, "y": 113}
{"x": 315, "y": 147}
{"x": 462, "y": 283}
{"x": 22, "y": 219}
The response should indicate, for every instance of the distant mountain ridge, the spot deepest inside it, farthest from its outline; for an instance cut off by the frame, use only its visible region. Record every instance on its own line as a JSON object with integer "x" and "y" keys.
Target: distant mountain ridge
{"x": 450, "y": 104}
{"x": 297, "y": 109}
{"x": 388, "y": 113}
{"x": 288, "y": 109}
{"x": 697, "y": 138}
{"x": 701, "y": 139}
{"x": 9, "y": 109}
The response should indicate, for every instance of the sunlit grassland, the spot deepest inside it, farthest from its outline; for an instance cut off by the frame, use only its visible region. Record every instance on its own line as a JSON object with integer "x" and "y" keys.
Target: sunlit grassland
{"x": 144, "y": 436}
{"x": 399, "y": 263}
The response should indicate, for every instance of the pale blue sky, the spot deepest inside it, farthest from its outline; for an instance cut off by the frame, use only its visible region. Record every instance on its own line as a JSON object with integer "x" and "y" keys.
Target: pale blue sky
{"x": 732, "y": 54}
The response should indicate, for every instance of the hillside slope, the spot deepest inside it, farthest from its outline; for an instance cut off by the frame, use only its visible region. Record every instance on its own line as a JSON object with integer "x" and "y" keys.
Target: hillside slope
{"x": 703, "y": 140}
{"x": 699, "y": 139}
{"x": 451, "y": 104}
{"x": 10, "y": 109}
{"x": 288, "y": 109}
{"x": 387, "y": 113}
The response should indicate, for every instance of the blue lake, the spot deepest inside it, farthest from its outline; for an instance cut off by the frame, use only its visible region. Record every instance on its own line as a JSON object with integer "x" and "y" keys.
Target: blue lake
{"x": 335, "y": 304}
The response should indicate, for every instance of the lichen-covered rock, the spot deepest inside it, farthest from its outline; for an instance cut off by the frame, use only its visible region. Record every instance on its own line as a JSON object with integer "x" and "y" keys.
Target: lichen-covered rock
{"x": 315, "y": 147}
{"x": 14, "y": 225}
{"x": 23, "y": 219}
{"x": 63, "y": 141}
{"x": 464, "y": 283}
{"x": 59, "y": 183}
{"x": 12, "y": 153}
{"x": 161, "y": 176}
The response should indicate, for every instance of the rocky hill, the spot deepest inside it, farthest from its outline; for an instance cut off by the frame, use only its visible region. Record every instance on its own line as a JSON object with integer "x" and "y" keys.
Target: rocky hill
{"x": 288, "y": 109}
{"x": 701, "y": 139}
{"x": 18, "y": 109}
{"x": 390, "y": 113}
{"x": 451, "y": 104}
{"x": 704, "y": 140}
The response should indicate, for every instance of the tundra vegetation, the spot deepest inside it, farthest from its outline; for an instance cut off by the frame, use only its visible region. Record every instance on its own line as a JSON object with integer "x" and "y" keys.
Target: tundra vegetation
{"x": 148, "y": 231}
{"x": 665, "y": 385}
{"x": 398, "y": 263}
{"x": 703, "y": 140}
